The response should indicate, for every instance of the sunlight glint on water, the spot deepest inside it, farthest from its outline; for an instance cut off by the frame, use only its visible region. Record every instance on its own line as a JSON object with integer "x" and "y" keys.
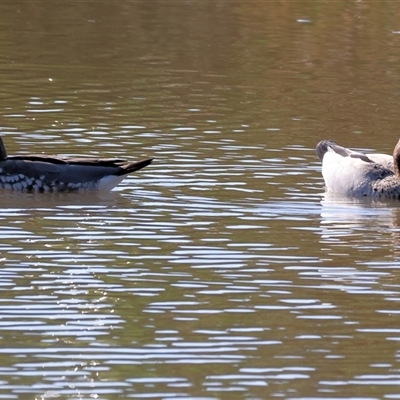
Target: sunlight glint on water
{"x": 221, "y": 271}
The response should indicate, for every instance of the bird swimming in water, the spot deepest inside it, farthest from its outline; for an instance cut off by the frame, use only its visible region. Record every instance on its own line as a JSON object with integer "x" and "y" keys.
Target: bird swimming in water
{"x": 42, "y": 173}
{"x": 353, "y": 173}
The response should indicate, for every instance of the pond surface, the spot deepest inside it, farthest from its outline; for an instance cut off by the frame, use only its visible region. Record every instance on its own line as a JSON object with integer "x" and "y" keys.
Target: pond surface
{"x": 221, "y": 271}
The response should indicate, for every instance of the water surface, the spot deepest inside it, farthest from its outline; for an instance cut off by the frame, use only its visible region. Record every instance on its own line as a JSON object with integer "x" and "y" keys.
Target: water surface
{"x": 221, "y": 271}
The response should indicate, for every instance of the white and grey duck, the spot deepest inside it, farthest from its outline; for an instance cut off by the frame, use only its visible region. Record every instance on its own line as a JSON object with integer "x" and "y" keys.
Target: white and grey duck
{"x": 353, "y": 173}
{"x": 42, "y": 173}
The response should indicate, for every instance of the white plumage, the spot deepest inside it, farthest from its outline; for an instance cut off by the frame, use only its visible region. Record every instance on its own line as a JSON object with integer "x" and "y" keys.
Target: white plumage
{"x": 353, "y": 173}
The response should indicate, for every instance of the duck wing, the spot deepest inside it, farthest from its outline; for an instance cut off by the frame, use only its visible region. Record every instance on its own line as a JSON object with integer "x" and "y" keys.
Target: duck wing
{"x": 120, "y": 166}
{"x": 329, "y": 145}
{"x": 42, "y": 173}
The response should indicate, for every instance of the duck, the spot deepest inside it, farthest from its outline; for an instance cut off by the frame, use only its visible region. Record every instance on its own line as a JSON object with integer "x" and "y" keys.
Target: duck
{"x": 357, "y": 174}
{"x": 45, "y": 173}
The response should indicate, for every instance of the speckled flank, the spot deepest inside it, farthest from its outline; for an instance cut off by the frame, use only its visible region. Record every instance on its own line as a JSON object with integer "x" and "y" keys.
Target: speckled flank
{"x": 386, "y": 188}
{"x": 20, "y": 182}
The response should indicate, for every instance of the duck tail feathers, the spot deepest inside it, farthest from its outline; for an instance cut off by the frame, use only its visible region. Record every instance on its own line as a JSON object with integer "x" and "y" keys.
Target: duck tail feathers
{"x": 133, "y": 166}
{"x": 323, "y": 146}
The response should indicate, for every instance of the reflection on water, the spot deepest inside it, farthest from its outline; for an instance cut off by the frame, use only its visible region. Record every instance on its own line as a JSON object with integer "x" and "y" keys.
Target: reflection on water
{"x": 162, "y": 283}
{"x": 360, "y": 224}
{"x": 221, "y": 271}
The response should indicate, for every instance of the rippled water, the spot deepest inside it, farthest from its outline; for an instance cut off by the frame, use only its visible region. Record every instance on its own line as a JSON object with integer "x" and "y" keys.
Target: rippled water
{"x": 162, "y": 292}
{"x": 221, "y": 271}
